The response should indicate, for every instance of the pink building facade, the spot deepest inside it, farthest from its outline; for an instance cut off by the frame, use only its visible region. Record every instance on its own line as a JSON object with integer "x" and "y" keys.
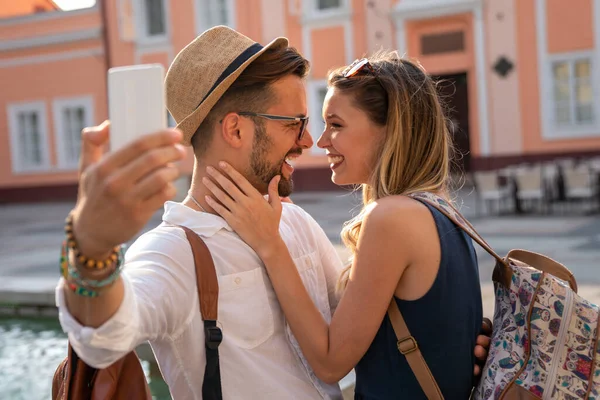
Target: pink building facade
{"x": 523, "y": 76}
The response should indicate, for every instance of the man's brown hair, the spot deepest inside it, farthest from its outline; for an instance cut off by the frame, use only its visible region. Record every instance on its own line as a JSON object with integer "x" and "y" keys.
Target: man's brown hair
{"x": 252, "y": 90}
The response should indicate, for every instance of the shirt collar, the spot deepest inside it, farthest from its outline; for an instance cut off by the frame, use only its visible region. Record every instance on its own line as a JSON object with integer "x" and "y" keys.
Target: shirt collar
{"x": 202, "y": 223}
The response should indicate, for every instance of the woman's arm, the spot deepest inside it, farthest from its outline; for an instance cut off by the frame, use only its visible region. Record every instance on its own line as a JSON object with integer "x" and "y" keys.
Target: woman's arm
{"x": 385, "y": 252}
{"x": 334, "y": 350}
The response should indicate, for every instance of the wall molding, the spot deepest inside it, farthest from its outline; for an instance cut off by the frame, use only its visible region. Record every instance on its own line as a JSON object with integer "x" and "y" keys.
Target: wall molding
{"x": 59, "y": 56}
{"x": 52, "y": 39}
{"x": 424, "y": 9}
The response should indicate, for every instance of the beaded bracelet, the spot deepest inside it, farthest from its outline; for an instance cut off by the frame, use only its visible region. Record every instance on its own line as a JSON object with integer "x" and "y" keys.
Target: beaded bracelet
{"x": 72, "y": 273}
{"x": 64, "y": 268}
{"x": 82, "y": 259}
{"x": 81, "y": 291}
{"x": 81, "y": 286}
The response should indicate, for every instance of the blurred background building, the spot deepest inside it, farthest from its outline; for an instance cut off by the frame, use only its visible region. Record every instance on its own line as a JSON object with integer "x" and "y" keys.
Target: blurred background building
{"x": 522, "y": 77}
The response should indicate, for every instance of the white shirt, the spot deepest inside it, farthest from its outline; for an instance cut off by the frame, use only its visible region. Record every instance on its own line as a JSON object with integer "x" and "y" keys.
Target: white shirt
{"x": 259, "y": 357}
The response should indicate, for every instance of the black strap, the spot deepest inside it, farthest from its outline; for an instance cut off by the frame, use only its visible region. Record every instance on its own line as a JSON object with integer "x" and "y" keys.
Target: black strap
{"x": 211, "y": 387}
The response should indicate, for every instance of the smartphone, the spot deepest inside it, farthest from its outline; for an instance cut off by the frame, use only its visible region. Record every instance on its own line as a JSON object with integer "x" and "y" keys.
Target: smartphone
{"x": 136, "y": 102}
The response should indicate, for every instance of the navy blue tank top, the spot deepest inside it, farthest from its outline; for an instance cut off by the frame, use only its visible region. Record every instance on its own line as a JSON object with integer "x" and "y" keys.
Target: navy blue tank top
{"x": 445, "y": 322}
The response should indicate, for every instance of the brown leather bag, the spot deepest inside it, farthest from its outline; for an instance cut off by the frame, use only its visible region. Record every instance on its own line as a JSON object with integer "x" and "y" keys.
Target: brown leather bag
{"x": 125, "y": 379}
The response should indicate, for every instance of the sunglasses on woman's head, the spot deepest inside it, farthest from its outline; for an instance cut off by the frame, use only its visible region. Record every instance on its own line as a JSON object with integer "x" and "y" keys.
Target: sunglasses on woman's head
{"x": 357, "y": 66}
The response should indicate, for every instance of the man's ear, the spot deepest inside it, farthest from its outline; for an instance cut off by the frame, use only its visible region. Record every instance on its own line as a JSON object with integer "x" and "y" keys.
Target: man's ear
{"x": 232, "y": 129}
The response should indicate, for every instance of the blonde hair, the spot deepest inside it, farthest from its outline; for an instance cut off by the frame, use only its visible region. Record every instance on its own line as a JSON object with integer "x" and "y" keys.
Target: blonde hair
{"x": 414, "y": 155}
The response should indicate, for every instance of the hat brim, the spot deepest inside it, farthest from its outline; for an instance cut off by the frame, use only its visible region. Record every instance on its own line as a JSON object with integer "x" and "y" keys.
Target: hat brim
{"x": 189, "y": 125}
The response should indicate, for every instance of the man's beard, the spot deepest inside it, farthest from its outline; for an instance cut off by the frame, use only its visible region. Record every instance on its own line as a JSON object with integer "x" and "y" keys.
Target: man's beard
{"x": 261, "y": 171}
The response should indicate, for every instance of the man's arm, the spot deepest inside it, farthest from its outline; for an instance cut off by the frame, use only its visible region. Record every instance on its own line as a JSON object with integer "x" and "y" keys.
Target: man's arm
{"x": 159, "y": 287}
{"x": 118, "y": 194}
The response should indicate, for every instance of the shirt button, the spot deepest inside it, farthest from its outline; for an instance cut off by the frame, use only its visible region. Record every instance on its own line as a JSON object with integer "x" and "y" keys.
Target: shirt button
{"x": 86, "y": 334}
{"x": 238, "y": 280}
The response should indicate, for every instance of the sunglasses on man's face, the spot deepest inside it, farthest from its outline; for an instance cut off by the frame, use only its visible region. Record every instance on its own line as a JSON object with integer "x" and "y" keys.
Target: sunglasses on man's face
{"x": 302, "y": 120}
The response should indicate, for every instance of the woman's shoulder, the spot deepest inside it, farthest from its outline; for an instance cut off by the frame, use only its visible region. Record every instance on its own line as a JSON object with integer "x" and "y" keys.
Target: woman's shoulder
{"x": 391, "y": 210}
{"x": 398, "y": 219}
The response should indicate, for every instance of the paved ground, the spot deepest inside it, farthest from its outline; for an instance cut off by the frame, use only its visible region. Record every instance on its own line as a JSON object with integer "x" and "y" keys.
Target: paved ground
{"x": 30, "y": 236}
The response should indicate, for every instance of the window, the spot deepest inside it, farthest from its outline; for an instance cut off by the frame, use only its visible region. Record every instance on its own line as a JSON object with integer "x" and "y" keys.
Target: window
{"x": 320, "y": 9}
{"x": 321, "y": 93}
{"x": 28, "y": 134}
{"x": 155, "y": 17}
{"x": 154, "y": 23}
{"x": 328, "y": 4}
{"x": 214, "y": 12}
{"x": 70, "y": 117}
{"x": 317, "y": 125}
{"x": 573, "y": 93}
{"x": 217, "y": 10}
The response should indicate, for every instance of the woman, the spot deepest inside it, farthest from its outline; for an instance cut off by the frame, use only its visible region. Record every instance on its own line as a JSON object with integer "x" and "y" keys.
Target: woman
{"x": 385, "y": 129}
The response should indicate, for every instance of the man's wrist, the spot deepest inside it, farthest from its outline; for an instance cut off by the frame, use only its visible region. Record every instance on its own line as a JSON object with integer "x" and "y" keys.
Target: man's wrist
{"x": 89, "y": 246}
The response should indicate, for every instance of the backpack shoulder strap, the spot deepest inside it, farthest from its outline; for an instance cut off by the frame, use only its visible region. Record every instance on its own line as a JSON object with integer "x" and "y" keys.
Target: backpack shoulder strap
{"x": 208, "y": 296}
{"x": 455, "y": 216}
{"x": 408, "y": 347}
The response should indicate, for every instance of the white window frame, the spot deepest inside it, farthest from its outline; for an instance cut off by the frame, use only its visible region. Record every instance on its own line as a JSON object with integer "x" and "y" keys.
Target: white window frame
{"x": 58, "y": 106}
{"x": 573, "y": 131}
{"x": 316, "y": 112}
{"x": 202, "y": 25}
{"x": 13, "y": 110}
{"x": 144, "y": 38}
{"x": 549, "y": 130}
{"x": 312, "y": 11}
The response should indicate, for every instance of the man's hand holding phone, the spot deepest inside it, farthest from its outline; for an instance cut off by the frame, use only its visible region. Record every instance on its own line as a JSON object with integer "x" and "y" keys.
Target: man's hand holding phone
{"x": 119, "y": 192}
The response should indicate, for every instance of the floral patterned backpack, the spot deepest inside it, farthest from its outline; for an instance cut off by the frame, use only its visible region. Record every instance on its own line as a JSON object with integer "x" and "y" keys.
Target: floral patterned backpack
{"x": 545, "y": 336}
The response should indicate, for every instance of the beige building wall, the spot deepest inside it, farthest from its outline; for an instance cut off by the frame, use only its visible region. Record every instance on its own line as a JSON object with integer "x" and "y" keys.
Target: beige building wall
{"x": 50, "y": 63}
{"x": 505, "y": 107}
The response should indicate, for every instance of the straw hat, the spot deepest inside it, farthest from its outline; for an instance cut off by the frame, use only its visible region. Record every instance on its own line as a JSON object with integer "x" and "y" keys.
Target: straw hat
{"x": 204, "y": 70}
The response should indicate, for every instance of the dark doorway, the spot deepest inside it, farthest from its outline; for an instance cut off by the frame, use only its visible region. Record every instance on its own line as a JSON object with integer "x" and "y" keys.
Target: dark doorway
{"x": 454, "y": 92}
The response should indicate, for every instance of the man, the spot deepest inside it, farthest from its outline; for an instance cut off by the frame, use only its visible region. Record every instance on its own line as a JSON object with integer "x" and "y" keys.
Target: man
{"x": 237, "y": 101}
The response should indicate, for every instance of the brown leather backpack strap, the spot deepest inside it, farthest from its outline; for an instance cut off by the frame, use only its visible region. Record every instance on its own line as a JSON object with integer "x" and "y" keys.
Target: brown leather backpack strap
{"x": 206, "y": 276}
{"x": 408, "y": 347}
{"x": 208, "y": 297}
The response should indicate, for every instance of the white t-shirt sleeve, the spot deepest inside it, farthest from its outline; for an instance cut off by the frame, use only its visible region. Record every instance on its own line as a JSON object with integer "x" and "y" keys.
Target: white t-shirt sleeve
{"x": 160, "y": 288}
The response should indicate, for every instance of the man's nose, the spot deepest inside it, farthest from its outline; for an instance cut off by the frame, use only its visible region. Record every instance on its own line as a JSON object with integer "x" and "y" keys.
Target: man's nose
{"x": 307, "y": 141}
